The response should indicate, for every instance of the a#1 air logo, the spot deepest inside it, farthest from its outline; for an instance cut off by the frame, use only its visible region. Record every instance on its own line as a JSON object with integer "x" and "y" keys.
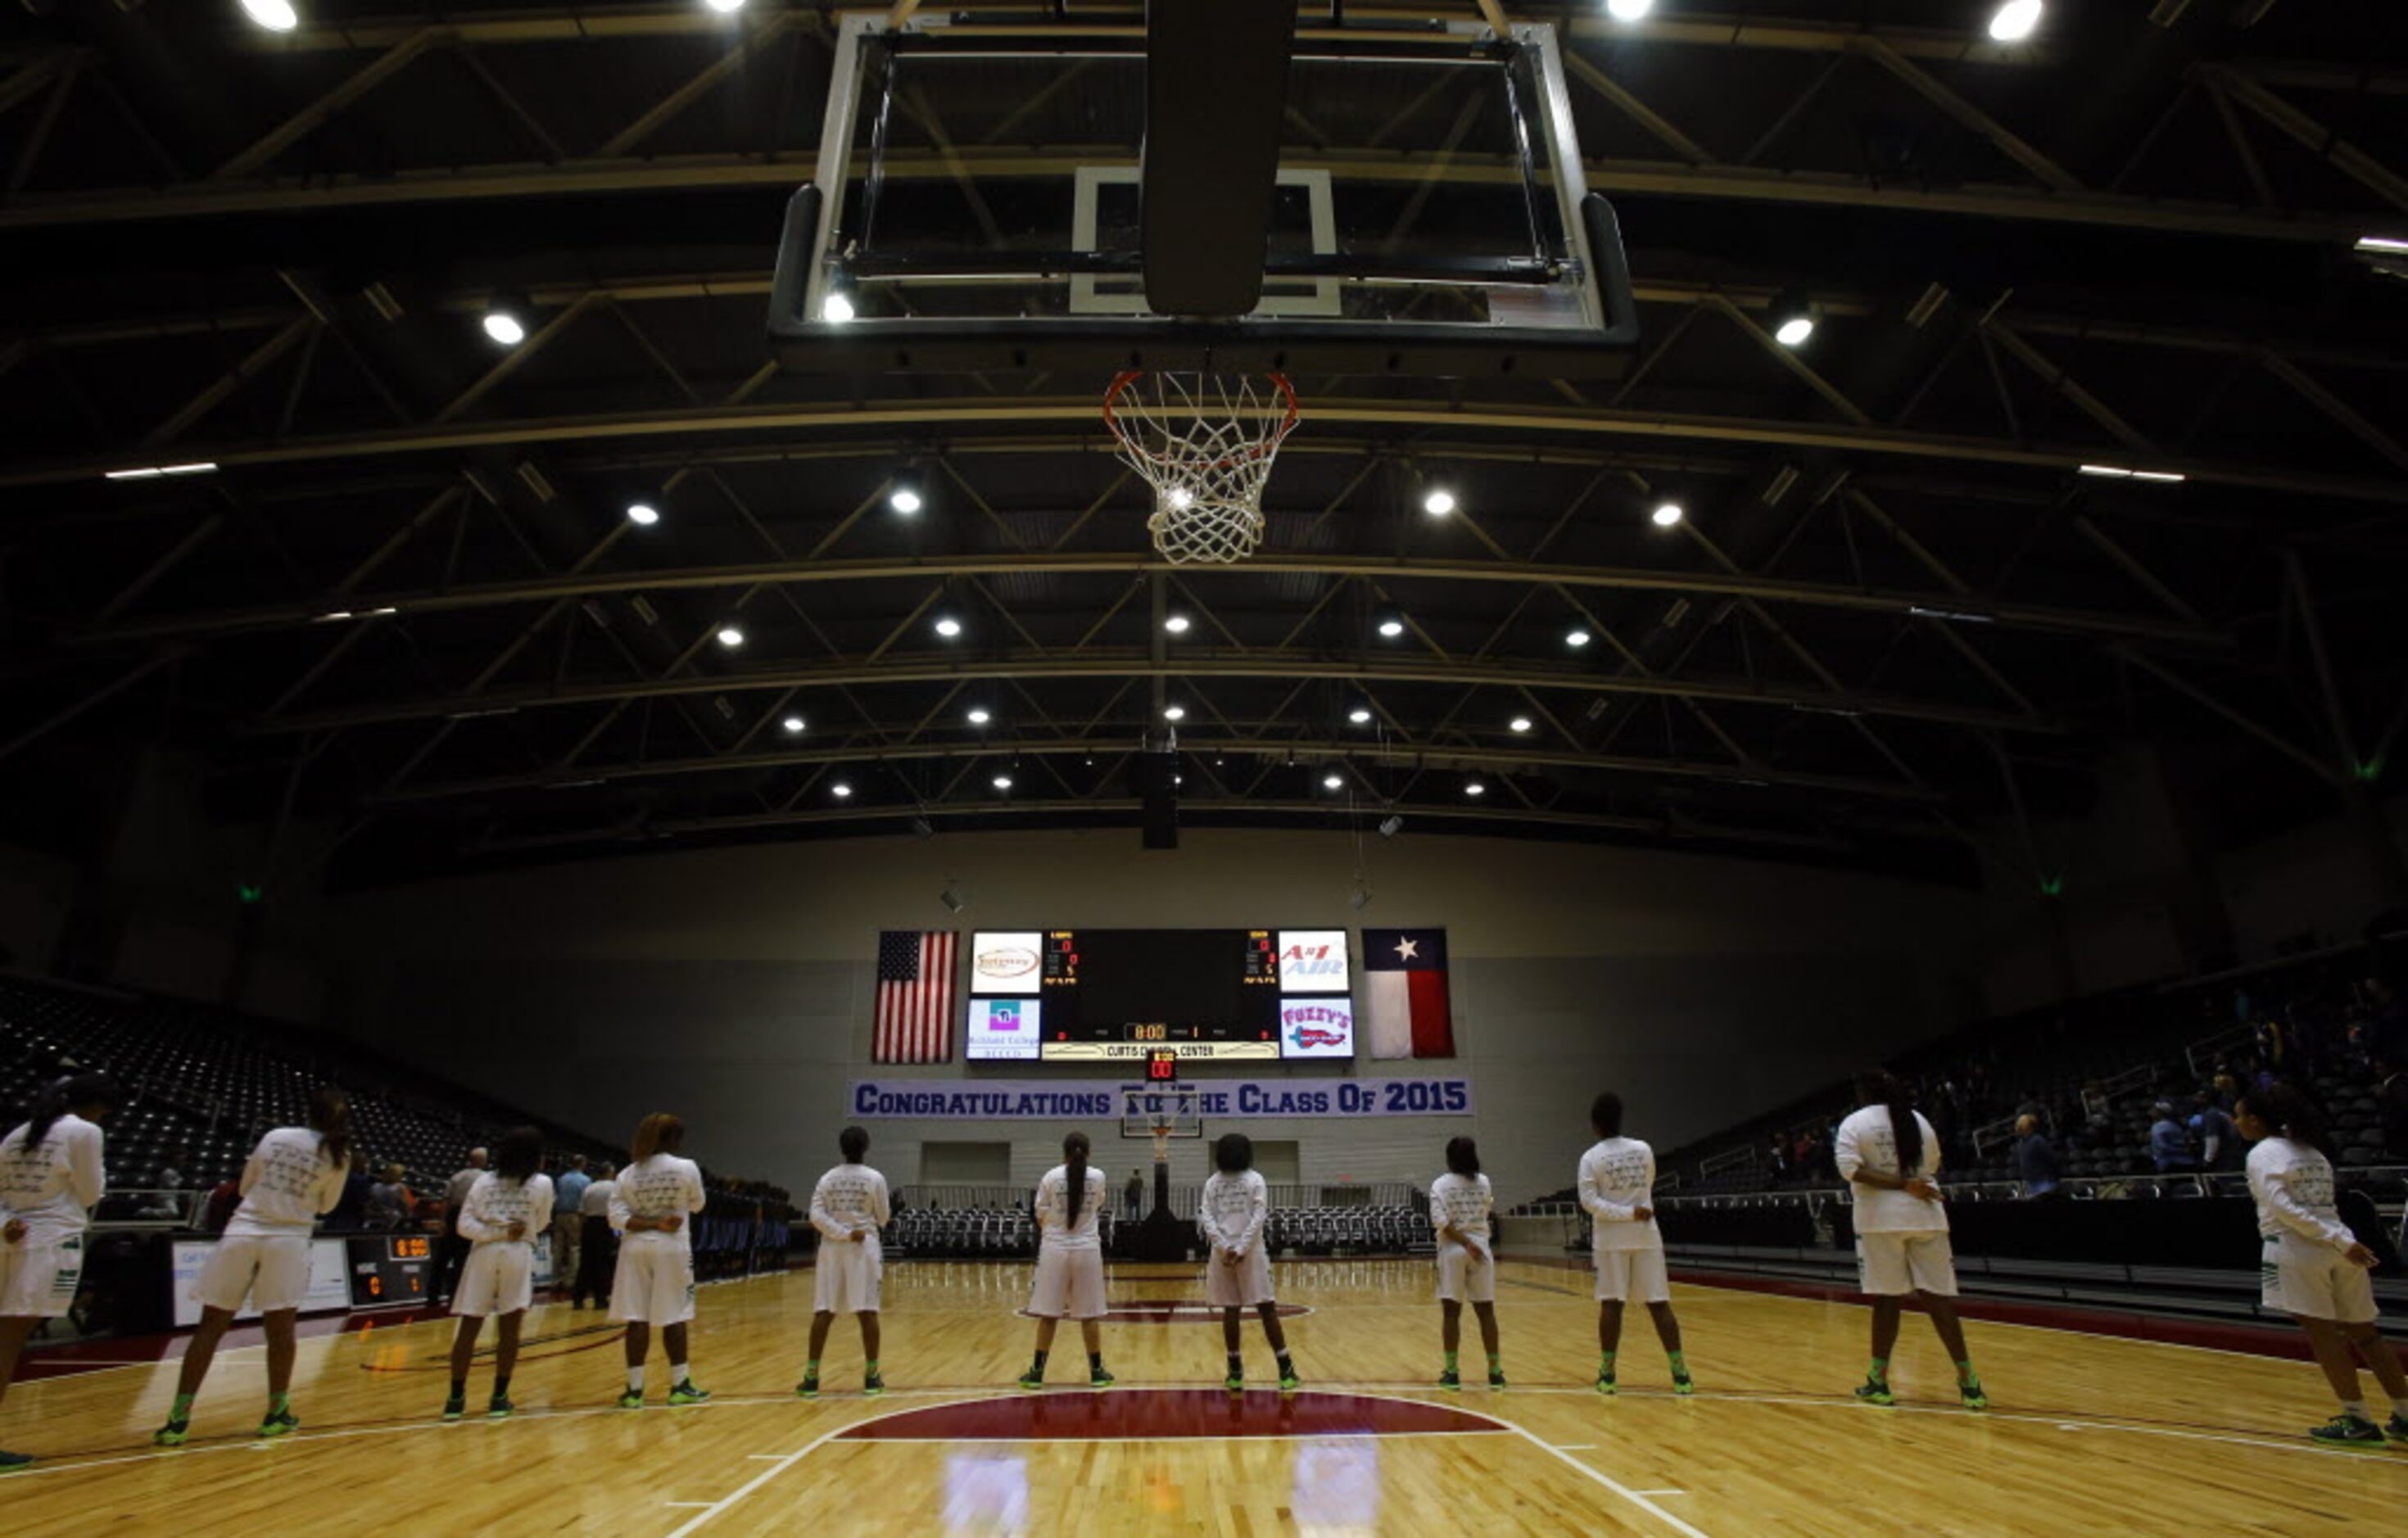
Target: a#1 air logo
{"x": 1316, "y": 1027}
{"x": 1313, "y": 960}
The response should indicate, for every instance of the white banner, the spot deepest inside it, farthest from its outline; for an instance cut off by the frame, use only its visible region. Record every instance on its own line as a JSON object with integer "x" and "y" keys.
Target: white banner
{"x": 330, "y": 1279}
{"x": 1037, "y": 1100}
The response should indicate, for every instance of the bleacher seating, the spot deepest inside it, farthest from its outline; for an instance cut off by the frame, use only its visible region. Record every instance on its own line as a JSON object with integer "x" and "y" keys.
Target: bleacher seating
{"x": 204, "y": 1084}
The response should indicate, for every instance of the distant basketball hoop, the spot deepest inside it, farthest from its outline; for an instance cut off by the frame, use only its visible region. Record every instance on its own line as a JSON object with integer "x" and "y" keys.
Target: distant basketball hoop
{"x": 1162, "y": 1113}
{"x": 1205, "y": 443}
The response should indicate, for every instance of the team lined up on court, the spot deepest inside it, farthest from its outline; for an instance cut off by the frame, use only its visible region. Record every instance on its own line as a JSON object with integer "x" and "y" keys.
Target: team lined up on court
{"x": 50, "y": 1176}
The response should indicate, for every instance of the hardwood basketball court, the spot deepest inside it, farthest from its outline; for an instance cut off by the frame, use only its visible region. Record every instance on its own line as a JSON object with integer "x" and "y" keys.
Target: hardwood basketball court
{"x": 2086, "y": 1432}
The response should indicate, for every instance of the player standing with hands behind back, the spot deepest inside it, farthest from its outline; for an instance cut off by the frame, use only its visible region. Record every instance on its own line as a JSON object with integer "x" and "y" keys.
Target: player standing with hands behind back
{"x": 51, "y": 1175}
{"x": 656, "y": 1194}
{"x": 848, "y": 1207}
{"x": 1236, "y": 1205}
{"x": 1618, "y": 1187}
{"x": 1467, "y": 1272}
{"x": 1888, "y": 1153}
{"x": 2315, "y": 1268}
{"x": 1070, "y": 1262}
{"x": 507, "y": 1206}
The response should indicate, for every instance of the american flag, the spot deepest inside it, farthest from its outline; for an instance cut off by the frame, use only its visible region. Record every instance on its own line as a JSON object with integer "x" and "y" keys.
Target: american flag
{"x": 915, "y": 996}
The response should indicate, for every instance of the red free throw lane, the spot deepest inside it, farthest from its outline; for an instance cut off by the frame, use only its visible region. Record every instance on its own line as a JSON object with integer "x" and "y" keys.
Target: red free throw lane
{"x": 1167, "y": 1415}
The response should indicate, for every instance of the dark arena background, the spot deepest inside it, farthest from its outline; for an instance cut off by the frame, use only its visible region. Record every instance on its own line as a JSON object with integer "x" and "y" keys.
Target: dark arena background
{"x": 1358, "y": 574}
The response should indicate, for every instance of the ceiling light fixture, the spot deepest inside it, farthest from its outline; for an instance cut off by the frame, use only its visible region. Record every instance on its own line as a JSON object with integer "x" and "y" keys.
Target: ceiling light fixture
{"x": 152, "y": 472}
{"x": 1792, "y": 318}
{"x": 2382, "y": 245}
{"x": 904, "y": 499}
{"x": 794, "y": 725}
{"x": 2120, "y": 472}
{"x": 1667, "y": 514}
{"x": 948, "y": 625}
{"x": 731, "y": 636}
{"x": 1474, "y": 787}
{"x": 836, "y": 309}
{"x": 725, "y": 6}
{"x": 643, "y": 515}
{"x": 506, "y": 319}
{"x": 275, "y": 15}
{"x": 1520, "y": 723}
{"x": 1333, "y": 780}
{"x": 2015, "y": 21}
{"x": 1174, "y": 713}
{"x": 840, "y": 790}
{"x": 1360, "y": 715}
{"x": 978, "y": 715}
{"x": 1439, "y": 503}
{"x": 1175, "y": 623}
{"x": 1576, "y": 638}
{"x": 1003, "y": 782}
{"x": 1629, "y": 10}
{"x": 1390, "y": 623}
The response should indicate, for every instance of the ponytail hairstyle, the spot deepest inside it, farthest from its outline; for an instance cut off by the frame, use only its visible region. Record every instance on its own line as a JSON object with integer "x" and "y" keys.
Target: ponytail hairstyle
{"x": 330, "y": 1117}
{"x": 77, "y": 1091}
{"x": 658, "y": 1133}
{"x": 1234, "y": 1154}
{"x": 518, "y": 1153}
{"x": 1463, "y": 1156}
{"x": 1878, "y": 1087}
{"x": 2292, "y": 1113}
{"x": 1074, "y": 1164}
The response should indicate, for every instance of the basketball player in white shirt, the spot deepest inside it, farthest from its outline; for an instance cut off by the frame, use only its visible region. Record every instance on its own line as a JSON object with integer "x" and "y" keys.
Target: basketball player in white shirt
{"x": 1070, "y": 1262}
{"x": 294, "y": 1175}
{"x": 1238, "y": 1274}
{"x": 51, "y": 1174}
{"x": 1887, "y": 1152}
{"x": 848, "y": 1208}
{"x": 1618, "y": 1187}
{"x": 1459, "y": 1203}
{"x": 507, "y": 1206}
{"x": 2314, "y": 1268}
{"x": 649, "y": 1206}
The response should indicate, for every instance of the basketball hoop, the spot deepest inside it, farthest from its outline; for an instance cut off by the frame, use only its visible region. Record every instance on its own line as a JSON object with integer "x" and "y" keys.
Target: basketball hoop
{"x": 1162, "y": 1131}
{"x": 1205, "y": 443}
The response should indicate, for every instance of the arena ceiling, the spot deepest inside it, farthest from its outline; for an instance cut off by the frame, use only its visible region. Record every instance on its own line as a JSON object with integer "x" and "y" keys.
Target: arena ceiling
{"x": 1898, "y": 628}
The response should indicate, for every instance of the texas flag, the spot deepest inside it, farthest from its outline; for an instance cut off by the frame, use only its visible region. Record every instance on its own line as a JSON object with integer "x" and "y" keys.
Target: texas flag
{"x": 1404, "y": 975}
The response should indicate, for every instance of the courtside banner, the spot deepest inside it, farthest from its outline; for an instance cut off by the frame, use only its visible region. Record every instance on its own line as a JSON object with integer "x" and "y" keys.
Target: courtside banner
{"x": 1050, "y": 1101}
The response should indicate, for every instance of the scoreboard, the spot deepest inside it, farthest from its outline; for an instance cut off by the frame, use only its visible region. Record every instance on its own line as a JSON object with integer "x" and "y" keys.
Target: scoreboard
{"x": 1131, "y": 996}
{"x": 390, "y": 1268}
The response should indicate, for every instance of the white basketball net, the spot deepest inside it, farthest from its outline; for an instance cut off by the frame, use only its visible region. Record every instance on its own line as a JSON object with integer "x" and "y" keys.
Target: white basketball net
{"x": 1205, "y": 443}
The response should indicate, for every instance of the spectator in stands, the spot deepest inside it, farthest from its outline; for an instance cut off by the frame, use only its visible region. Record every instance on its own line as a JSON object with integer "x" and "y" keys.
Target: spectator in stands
{"x": 568, "y": 1234}
{"x": 2170, "y": 1145}
{"x": 1133, "y": 1194}
{"x": 293, "y": 1176}
{"x": 2391, "y": 1108}
{"x": 597, "y": 1248}
{"x": 1776, "y": 1162}
{"x": 452, "y": 1253}
{"x": 2035, "y": 1159}
{"x": 2225, "y": 1085}
{"x": 2315, "y": 1267}
{"x": 2220, "y": 1141}
{"x": 351, "y": 1212}
{"x": 1801, "y": 1154}
{"x": 52, "y": 1173}
{"x": 1889, "y": 1152}
{"x": 390, "y": 1202}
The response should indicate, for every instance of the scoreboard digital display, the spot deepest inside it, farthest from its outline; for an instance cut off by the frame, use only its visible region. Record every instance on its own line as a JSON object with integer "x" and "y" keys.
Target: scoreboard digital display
{"x": 390, "y": 1268}
{"x": 1139, "y": 996}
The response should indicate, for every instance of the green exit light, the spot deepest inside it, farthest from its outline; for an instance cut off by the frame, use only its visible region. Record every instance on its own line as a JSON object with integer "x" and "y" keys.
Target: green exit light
{"x": 2051, "y": 886}
{"x": 249, "y": 893}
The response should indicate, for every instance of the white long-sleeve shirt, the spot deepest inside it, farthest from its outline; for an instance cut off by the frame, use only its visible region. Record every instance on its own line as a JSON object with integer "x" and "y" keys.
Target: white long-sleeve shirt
{"x": 1054, "y": 1224}
{"x": 494, "y": 1203}
{"x": 1617, "y": 1177}
{"x": 1234, "y": 1209}
{"x": 51, "y": 1187}
{"x": 1866, "y": 1141}
{"x": 663, "y": 1185}
{"x": 288, "y": 1181}
{"x": 1461, "y": 1202}
{"x": 595, "y": 1203}
{"x": 2293, "y": 1186}
{"x": 848, "y": 1200}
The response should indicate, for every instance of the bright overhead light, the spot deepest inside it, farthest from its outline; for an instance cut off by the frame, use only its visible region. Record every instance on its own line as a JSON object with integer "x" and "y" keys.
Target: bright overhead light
{"x": 1392, "y": 625}
{"x": 1667, "y": 514}
{"x": 2120, "y": 472}
{"x": 978, "y": 716}
{"x": 1174, "y": 713}
{"x": 794, "y": 725}
{"x": 275, "y": 15}
{"x": 1360, "y": 715}
{"x": 1474, "y": 787}
{"x": 1794, "y": 331}
{"x": 2015, "y": 21}
{"x": 1576, "y": 638}
{"x": 836, "y": 309}
{"x": 1520, "y": 723}
{"x": 152, "y": 472}
{"x": 1333, "y": 780}
{"x": 1792, "y": 316}
{"x": 643, "y": 515}
{"x": 1629, "y": 10}
{"x": 730, "y": 636}
{"x": 505, "y": 327}
{"x": 948, "y": 627}
{"x": 1003, "y": 782}
{"x": 724, "y": 6}
{"x": 904, "y": 500}
{"x": 1439, "y": 503}
{"x": 2382, "y": 245}
{"x": 1175, "y": 623}
{"x": 840, "y": 790}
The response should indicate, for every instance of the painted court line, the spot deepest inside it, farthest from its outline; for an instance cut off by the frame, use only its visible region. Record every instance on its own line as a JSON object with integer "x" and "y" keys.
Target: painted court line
{"x": 1637, "y": 1498}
